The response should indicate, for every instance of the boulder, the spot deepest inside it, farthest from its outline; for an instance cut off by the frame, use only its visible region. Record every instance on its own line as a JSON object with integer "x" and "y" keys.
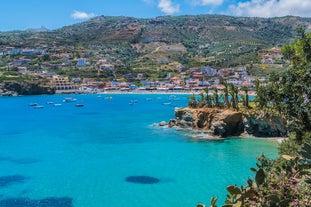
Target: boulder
{"x": 172, "y": 123}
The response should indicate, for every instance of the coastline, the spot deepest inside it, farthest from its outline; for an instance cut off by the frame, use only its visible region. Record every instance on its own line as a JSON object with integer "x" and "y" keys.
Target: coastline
{"x": 150, "y": 92}
{"x": 216, "y": 122}
{"x": 199, "y": 135}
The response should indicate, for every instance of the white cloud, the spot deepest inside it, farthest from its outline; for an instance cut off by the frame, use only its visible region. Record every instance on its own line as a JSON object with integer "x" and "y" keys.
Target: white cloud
{"x": 272, "y": 8}
{"x": 208, "y": 2}
{"x": 167, "y": 7}
{"x": 82, "y": 15}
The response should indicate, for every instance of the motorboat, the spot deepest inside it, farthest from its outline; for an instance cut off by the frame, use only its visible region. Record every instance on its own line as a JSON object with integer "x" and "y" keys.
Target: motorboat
{"x": 39, "y": 107}
{"x": 69, "y": 100}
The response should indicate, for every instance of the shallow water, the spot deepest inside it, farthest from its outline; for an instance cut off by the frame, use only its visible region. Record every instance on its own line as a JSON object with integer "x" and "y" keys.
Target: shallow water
{"x": 83, "y": 156}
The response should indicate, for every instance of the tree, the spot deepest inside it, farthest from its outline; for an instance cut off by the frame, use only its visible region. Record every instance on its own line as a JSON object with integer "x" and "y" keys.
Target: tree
{"x": 289, "y": 92}
{"x": 216, "y": 97}
{"x": 299, "y": 52}
{"x": 246, "y": 101}
{"x": 207, "y": 97}
{"x": 286, "y": 180}
{"x": 46, "y": 57}
{"x": 226, "y": 92}
{"x": 234, "y": 96}
{"x": 192, "y": 103}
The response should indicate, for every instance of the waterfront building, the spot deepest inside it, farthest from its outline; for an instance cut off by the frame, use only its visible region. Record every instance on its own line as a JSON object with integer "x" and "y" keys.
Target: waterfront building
{"x": 63, "y": 84}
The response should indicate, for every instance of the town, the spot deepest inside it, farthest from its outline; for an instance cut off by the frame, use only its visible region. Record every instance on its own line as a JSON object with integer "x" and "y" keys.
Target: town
{"x": 50, "y": 62}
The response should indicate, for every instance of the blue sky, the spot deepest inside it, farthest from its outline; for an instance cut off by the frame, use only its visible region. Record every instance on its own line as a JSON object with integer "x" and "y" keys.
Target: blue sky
{"x": 53, "y": 14}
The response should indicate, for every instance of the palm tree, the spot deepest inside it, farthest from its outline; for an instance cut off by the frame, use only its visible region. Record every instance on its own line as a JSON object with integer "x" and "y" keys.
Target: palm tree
{"x": 216, "y": 97}
{"x": 226, "y": 91}
{"x": 236, "y": 91}
{"x": 201, "y": 101}
{"x": 207, "y": 97}
{"x": 192, "y": 101}
{"x": 246, "y": 101}
{"x": 234, "y": 96}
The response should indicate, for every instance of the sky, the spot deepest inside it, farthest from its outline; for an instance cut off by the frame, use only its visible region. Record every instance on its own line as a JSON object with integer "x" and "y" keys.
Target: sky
{"x": 54, "y": 14}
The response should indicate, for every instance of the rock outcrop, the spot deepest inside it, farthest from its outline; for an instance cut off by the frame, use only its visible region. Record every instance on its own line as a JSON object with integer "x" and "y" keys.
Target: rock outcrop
{"x": 264, "y": 125}
{"x": 25, "y": 88}
{"x": 225, "y": 122}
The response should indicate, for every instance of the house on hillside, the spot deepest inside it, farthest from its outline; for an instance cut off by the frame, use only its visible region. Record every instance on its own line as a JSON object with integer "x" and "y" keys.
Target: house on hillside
{"x": 21, "y": 62}
{"x": 106, "y": 67}
{"x": 192, "y": 83}
{"x": 177, "y": 81}
{"x": 163, "y": 61}
{"x": 81, "y": 62}
{"x": 206, "y": 70}
{"x": 242, "y": 72}
{"x": 198, "y": 75}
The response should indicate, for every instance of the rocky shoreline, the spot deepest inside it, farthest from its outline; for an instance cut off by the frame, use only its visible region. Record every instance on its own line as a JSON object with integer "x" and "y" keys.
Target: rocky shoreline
{"x": 225, "y": 122}
{"x": 14, "y": 88}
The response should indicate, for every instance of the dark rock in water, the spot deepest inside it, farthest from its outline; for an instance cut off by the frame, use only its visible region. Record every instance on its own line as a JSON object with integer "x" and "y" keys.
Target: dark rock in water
{"x": 11, "y": 179}
{"x": 18, "y": 161}
{"x": 4, "y": 159}
{"x": 46, "y": 202}
{"x": 172, "y": 123}
{"x": 24, "y": 161}
{"x": 142, "y": 179}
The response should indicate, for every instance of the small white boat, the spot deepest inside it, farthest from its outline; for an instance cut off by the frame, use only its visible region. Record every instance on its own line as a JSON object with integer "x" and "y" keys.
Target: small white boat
{"x": 69, "y": 100}
{"x": 57, "y": 105}
{"x": 39, "y": 107}
{"x": 108, "y": 98}
{"x": 167, "y": 103}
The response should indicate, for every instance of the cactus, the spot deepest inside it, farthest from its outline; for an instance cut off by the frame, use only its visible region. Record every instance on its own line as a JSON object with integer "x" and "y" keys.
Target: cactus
{"x": 213, "y": 201}
{"x": 260, "y": 177}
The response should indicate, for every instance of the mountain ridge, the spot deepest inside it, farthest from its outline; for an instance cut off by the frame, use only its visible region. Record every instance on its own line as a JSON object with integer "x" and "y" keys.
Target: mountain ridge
{"x": 141, "y": 42}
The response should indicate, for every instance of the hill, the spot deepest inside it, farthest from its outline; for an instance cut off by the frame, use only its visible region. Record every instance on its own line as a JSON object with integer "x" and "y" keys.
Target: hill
{"x": 217, "y": 40}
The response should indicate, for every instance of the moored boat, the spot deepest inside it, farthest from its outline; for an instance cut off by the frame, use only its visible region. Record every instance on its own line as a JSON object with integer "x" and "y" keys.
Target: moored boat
{"x": 69, "y": 100}
{"x": 39, "y": 107}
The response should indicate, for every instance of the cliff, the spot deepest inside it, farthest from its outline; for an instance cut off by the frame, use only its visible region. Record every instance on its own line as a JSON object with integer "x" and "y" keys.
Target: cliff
{"x": 225, "y": 122}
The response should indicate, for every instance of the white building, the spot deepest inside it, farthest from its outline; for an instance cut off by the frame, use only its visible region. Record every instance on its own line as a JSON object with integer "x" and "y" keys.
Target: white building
{"x": 81, "y": 62}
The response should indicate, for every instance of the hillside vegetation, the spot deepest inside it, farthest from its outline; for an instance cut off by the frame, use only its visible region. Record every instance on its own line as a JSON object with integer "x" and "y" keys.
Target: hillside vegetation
{"x": 220, "y": 41}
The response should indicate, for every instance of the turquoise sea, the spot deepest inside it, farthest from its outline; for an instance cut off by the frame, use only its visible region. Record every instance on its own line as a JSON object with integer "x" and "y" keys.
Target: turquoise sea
{"x": 108, "y": 153}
